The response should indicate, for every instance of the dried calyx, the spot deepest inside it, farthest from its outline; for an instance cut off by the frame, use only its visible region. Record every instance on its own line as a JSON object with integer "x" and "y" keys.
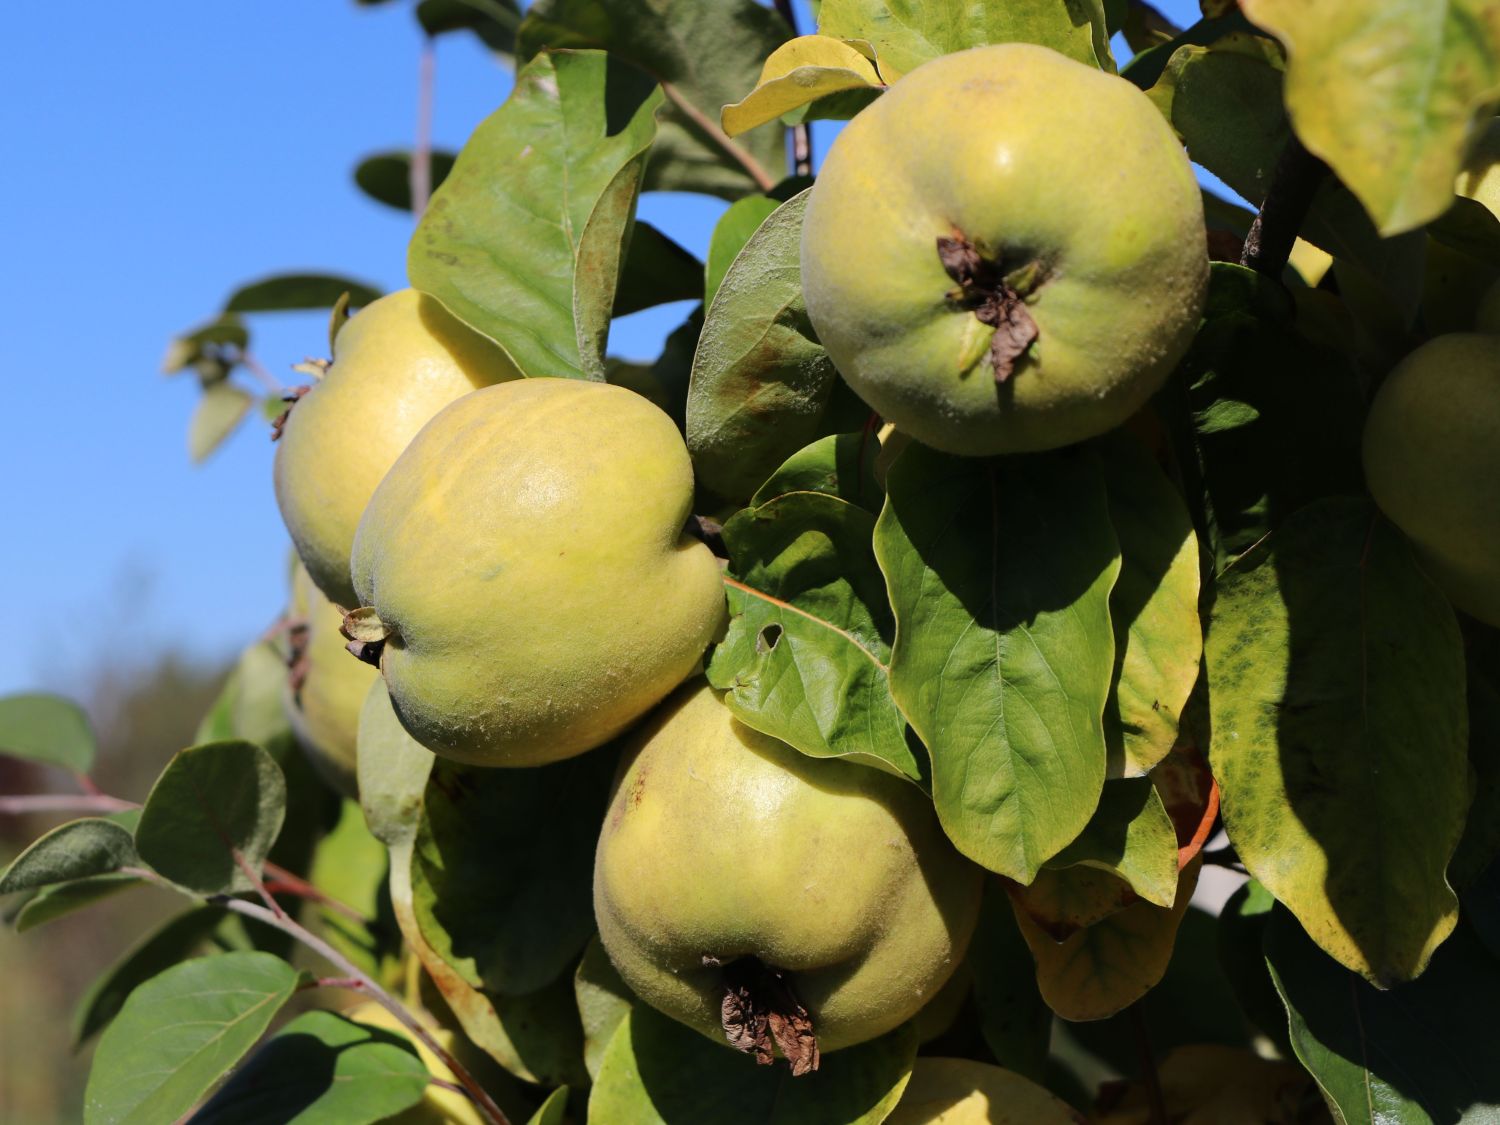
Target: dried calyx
{"x": 366, "y": 634}
{"x": 995, "y": 295}
{"x": 761, "y": 1013}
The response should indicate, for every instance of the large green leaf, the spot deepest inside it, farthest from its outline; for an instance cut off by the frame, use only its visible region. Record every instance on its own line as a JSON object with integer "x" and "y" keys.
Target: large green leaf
{"x": 1000, "y": 572}
{"x": 1420, "y": 1054}
{"x": 907, "y": 33}
{"x": 212, "y": 817}
{"x": 731, "y": 232}
{"x": 291, "y": 291}
{"x": 806, "y": 658}
{"x": 179, "y": 1033}
{"x": 46, "y": 728}
{"x": 502, "y": 873}
{"x": 658, "y": 1072}
{"x": 1336, "y": 678}
{"x": 706, "y": 53}
{"x": 158, "y": 951}
{"x": 1388, "y": 93}
{"x": 762, "y": 385}
{"x": 321, "y": 1069}
{"x": 1013, "y": 1017}
{"x": 524, "y": 241}
{"x": 79, "y": 849}
{"x": 1153, "y": 607}
{"x": 1129, "y": 835}
{"x": 386, "y": 176}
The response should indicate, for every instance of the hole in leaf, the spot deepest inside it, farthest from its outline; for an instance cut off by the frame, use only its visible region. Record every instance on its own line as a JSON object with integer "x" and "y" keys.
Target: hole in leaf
{"x": 766, "y": 640}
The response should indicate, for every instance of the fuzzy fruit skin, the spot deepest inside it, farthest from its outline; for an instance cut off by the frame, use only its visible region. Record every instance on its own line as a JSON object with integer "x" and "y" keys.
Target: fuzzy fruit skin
{"x": 395, "y": 365}
{"x": 1432, "y": 462}
{"x": 1028, "y": 154}
{"x": 528, "y": 549}
{"x": 324, "y": 712}
{"x": 720, "y": 840}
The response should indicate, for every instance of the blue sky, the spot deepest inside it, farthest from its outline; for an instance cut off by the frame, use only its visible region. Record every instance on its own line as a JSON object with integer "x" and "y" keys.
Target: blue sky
{"x": 157, "y": 157}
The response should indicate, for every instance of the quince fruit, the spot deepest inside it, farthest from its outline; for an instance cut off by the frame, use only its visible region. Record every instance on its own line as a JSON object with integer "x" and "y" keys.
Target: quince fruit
{"x": 395, "y": 365}
{"x": 1006, "y": 251}
{"x": 1432, "y": 462}
{"x": 757, "y": 894}
{"x": 528, "y": 563}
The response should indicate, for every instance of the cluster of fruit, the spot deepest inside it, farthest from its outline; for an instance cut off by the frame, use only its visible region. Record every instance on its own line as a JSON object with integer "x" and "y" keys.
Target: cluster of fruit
{"x": 527, "y": 586}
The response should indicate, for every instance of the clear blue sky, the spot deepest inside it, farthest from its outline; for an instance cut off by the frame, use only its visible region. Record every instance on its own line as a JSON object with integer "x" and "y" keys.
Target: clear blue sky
{"x": 158, "y": 156}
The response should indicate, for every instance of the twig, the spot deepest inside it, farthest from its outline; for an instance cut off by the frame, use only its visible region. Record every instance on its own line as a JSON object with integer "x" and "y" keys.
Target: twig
{"x": 482, "y": 1100}
{"x": 1148, "y": 1067}
{"x": 421, "y": 153}
{"x": 763, "y": 179}
{"x": 1293, "y": 184}
{"x": 64, "y": 802}
{"x": 283, "y": 881}
{"x": 801, "y": 132}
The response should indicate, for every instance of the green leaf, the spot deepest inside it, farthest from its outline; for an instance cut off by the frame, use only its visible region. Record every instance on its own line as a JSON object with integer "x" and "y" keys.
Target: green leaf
{"x": 1153, "y": 607}
{"x": 801, "y": 71}
{"x": 1013, "y": 1017}
{"x": 1240, "y": 934}
{"x": 216, "y": 344}
{"x": 393, "y": 770}
{"x": 731, "y": 232}
{"x": 494, "y": 21}
{"x": 1336, "y": 676}
{"x": 1129, "y": 835}
{"x": 553, "y": 1111}
{"x": 220, "y": 410}
{"x": 48, "y": 729}
{"x": 656, "y": 271}
{"x": 806, "y": 657}
{"x": 523, "y": 242}
{"x": 604, "y": 1000}
{"x": 179, "y": 1032}
{"x": 386, "y": 176}
{"x": 175, "y": 941}
{"x": 707, "y": 52}
{"x": 1421, "y": 1054}
{"x": 60, "y": 899}
{"x": 907, "y": 33}
{"x": 321, "y": 1069}
{"x": 657, "y": 1071}
{"x": 79, "y": 849}
{"x": 999, "y": 572}
{"x": 290, "y": 291}
{"x": 502, "y": 874}
{"x": 212, "y": 816}
{"x": 1270, "y": 421}
{"x": 351, "y": 866}
{"x": 1388, "y": 93}
{"x": 839, "y": 465}
{"x": 762, "y": 386}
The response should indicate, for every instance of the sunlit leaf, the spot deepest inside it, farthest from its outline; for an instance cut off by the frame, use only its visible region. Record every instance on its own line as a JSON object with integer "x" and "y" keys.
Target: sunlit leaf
{"x": 798, "y": 72}
{"x": 1336, "y": 677}
{"x": 963, "y": 1090}
{"x": 999, "y": 572}
{"x": 79, "y": 849}
{"x": 220, "y": 410}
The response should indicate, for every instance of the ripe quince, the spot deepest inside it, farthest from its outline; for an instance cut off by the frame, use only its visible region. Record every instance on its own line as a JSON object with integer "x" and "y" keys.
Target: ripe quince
{"x": 1006, "y": 251}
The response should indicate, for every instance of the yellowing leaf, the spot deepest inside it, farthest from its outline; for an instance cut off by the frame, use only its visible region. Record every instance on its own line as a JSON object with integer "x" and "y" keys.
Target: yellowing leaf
{"x": 965, "y": 1092}
{"x": 1480, "y": 178}
{"x": 1386, "y": 91}
{"x": 801, "y": 71}
{"x": 1108, "y": 966}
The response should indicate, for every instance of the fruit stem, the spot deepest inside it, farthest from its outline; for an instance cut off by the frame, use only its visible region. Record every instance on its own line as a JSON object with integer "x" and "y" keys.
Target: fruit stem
{"x": 421, "y": 151}
{"x": 1295, "y": 181}
{"x": 741, "y": 156}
